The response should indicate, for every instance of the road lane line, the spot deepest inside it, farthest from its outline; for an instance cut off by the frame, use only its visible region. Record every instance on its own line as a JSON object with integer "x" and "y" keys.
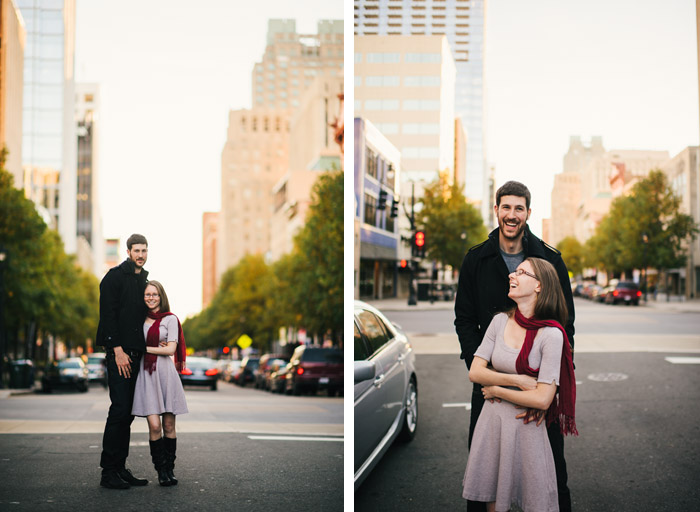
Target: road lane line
{"x": 683, "y": 360}
{"x": 295, "y": 438}
{"x": 466, "y": 405}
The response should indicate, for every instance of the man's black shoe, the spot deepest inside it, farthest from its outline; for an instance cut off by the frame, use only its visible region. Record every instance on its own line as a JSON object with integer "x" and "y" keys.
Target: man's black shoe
{"x": 112, "y": 480}
{"x": 125, "y": 474}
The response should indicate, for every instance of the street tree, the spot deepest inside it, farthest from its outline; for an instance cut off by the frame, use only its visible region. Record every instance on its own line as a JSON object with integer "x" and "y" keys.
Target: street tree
{"x": 450, "y": 223}
{"x": 573, "y": 254}
{"x": 650, "y": 212}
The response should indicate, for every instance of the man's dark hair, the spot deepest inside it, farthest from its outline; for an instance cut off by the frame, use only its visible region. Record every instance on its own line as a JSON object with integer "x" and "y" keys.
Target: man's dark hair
{"x": 513, "y": 188}
{"x": 136, "y": 239}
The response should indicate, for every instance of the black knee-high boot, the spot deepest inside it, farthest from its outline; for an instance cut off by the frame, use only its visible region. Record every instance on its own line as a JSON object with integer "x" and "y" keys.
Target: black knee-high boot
{"x": 159, "y": 461}
{"x": 170, "y": 448}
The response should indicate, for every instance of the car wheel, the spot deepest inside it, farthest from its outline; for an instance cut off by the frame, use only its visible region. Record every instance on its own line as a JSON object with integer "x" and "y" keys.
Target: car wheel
{"x": 296, "y": 390}
{"x": 213, "y": 386}
{"x": 410, "y": 421}
{"x": 83, "y": 388}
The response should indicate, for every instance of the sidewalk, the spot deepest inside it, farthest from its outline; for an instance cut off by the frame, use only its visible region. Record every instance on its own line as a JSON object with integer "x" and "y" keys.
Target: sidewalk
{"x": 394, "y": 304}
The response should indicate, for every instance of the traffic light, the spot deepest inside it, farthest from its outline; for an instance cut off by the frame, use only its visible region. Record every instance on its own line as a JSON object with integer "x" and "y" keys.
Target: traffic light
{"x": 419, "y": 244}
{"x": 394, "y": 208}
{"x": 381, "y": 202}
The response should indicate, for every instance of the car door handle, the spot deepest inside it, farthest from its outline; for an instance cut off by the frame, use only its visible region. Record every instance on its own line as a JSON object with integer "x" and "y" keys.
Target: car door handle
{"x": 379, "y": 380}
{"x": 401, "y": 358}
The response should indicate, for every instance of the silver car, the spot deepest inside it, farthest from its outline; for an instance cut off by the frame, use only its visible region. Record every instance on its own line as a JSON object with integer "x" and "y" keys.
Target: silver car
{"x": 386, "y": 391}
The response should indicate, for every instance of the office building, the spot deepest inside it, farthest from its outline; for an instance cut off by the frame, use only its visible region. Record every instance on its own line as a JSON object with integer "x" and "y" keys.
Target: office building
{"x": 462, "y": 22}
{"x": 12, "y": 46}
{"x": 49, "y": 141}
{"x": 210, "y": 235}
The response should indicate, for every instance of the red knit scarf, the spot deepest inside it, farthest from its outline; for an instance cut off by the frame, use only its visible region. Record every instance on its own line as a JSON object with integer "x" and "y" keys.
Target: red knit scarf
{"x": 563, "y": 405}
{"x": 153, "y": 340}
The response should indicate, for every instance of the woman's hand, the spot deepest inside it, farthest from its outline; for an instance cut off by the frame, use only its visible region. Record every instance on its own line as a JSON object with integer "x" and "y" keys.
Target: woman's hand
{"x": 490, "y": 392}
{"x": 526, "y": 383}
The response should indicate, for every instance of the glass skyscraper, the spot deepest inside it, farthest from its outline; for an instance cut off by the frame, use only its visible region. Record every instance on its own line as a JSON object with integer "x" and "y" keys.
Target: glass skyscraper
{"x": 48, "y": 138}
{"x": 462, "y": 22}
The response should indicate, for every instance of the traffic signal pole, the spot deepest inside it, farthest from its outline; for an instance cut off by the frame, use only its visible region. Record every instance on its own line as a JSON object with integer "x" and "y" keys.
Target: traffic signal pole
{"x": 411, "y": 284}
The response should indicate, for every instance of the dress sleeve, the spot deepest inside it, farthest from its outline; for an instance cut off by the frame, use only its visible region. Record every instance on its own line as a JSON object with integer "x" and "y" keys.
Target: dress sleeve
{"x": 551, "y": 347}
{"x": 485, "y": 350}
{"x": 171, "y": 326}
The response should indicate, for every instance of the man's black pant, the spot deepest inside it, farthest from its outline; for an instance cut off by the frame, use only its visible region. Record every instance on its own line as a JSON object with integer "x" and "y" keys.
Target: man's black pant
{"x": 115, "y": 442}
{"x": 556, "y": 439}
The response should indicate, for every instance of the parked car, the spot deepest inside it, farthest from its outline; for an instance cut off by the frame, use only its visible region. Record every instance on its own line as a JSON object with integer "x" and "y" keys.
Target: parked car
{"x": 386, "y": 388}
{"x": 200, "y": 371}
{"x": 313, "y": 369}
{"x": 97, "y": 368}
{"x": 577, "y": 289}
{"x": 622, "y": 291}
{"x": 595, "y": 293}
{"x": 71, "y": 373}
{"x": 260, "y": 373}
{"x": 277, "y": 377}
{"x": 244, "y": 374}
{"x": 230, "y": 370}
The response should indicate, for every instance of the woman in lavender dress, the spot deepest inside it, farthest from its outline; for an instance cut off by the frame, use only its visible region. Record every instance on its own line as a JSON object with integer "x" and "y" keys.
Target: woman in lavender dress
{"x": 159, "y": 393}
{"x": 511, "y": 461}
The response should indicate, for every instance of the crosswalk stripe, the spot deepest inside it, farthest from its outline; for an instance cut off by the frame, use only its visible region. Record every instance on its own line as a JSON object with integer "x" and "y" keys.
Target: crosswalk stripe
{"x": 466, "y": 405}
{"x": 296, "y": 438}
{"x": 683, "y": 360}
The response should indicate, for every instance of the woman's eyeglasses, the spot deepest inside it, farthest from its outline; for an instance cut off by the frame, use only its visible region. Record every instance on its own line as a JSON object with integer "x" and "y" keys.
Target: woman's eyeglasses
{"x": 151, "y": 296}
{"x": 520, "y": 272}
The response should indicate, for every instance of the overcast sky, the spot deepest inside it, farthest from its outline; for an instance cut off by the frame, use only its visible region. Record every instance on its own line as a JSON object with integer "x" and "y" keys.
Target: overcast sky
{"x": 170, "y": 70}
{"x": 622, "y": 69}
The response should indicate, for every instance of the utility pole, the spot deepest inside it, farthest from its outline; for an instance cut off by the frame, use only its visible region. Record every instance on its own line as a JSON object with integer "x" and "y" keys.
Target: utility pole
{"x": 411, "y": 284}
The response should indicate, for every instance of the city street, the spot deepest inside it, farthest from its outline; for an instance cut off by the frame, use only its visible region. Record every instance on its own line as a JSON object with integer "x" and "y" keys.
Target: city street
{"x": 639, "y": 445}
{"x": 238, "y": 449}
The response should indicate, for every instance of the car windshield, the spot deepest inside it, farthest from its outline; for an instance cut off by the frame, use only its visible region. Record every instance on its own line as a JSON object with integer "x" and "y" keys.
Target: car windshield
{"x": 200, "y": 363}
{"x": 69, "y": 364}
{"x": 95, "y": 360}
{"x": 323, "y": 355}
{"x": 631, "y": 286}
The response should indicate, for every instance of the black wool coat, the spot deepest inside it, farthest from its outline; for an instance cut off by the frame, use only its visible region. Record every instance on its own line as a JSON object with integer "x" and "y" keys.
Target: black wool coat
{"x": 122, "y": 308}
{"x": 483, "y": 289}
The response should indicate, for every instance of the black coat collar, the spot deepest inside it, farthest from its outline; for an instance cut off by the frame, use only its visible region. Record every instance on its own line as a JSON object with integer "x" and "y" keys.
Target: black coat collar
{"x": 532, "y": 246}
{"x": 129, "y": 267}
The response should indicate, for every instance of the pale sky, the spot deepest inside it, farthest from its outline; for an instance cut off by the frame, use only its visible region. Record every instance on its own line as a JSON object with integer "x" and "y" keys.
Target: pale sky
{"x": 622, "y": 69}
{"x": 169, "y": 72}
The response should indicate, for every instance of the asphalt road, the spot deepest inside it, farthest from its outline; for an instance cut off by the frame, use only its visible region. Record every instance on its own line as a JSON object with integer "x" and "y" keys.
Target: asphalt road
{"x": 639, "y": 443}
{"x": 238, "y": 449}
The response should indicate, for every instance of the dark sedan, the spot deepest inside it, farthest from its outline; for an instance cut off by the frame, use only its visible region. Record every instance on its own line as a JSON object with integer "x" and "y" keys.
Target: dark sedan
{"x": 200, "y": 371}
{"x": 315, "y": 368}
{"x": 69, "y": 373}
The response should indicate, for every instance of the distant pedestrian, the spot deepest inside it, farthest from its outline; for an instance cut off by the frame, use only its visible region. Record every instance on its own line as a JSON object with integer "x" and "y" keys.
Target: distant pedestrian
{"x": 120, "y": 332}
{"x": 511, "y": 461}
{"x": 483, "y": 291}
{"x": 159, "y": 391}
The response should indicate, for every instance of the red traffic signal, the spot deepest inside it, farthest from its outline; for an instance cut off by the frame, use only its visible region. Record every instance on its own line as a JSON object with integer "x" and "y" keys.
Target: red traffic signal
{"x": 403, "y": 263}
{"x": 419, "y": 239}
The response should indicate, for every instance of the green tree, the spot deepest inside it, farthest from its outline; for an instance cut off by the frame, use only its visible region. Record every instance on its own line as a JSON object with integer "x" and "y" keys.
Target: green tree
{"x": 573, "y": 254}
{"x": 450, "y": 223}
{"x": 651, "y": 209}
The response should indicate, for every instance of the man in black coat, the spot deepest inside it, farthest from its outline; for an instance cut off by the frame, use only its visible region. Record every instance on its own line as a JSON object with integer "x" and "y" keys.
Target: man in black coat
{"x": 483, "y": 291}
{"x": 120, "y": 331}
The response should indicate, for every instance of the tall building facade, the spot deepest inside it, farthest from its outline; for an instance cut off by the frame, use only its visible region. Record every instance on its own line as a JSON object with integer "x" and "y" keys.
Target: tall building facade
{"x": 312, "y": 150}
{"x": 462, "y": 22}
{"x": 256, "y": 154}
{"x": 582, "y": 193}
{"x": 405, "y": 85}
{"x": 49, "y": 141}
{"x": 89, "y": 218}
{"x": 210, "y": 240}
{"x": 12, "y": 43}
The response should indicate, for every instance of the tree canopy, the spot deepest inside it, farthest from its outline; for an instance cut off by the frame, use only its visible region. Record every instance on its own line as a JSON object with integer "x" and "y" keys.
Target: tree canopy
{"x": 572, "y": 252}
{"x": 651, "y": 211}
{"x": 450, "y": 223}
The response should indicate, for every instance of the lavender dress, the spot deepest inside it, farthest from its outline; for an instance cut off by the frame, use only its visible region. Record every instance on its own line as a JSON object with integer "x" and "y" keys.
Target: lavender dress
{"x": 160, "y": 391}
{"x": 510, "y": 462}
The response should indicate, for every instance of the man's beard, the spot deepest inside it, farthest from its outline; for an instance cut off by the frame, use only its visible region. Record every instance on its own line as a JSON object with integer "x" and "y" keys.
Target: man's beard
{"x": 519, "y": 230}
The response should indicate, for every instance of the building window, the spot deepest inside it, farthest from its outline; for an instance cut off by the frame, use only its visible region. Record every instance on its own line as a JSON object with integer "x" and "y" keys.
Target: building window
{"x": 423, "y": 58}
{"x": 421, "y": 105}
{"x": 370, "y": 210}
{"x": 383, "y": 58}
{"x": 371, "y": 164}
{"x": 422, "y": 81}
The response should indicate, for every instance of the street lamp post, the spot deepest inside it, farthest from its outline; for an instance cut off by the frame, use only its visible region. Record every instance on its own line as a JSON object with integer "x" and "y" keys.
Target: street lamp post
{"x": 645, "y": 240}
{"x": 3, "y": 262}
{"x": 411, "y": 283}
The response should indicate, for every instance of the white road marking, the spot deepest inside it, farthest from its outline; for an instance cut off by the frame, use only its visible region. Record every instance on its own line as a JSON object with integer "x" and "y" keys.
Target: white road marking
{"x": 683, "y": 360}
{"x": 296, "y": 438}
{"x": 466, "y": 405}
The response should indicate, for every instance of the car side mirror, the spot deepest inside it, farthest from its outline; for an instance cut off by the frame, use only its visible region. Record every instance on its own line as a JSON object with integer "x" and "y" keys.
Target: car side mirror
{"x": 365, "y": 370}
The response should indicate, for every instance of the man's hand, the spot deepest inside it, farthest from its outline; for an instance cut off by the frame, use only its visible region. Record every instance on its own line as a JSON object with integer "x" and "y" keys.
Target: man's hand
{"x": 123, "y": 362}
{"x": 531, "y": 415}
{"x": 526, "y": 383}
